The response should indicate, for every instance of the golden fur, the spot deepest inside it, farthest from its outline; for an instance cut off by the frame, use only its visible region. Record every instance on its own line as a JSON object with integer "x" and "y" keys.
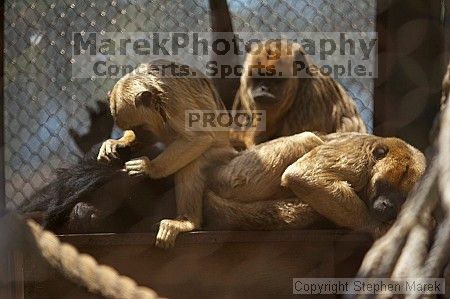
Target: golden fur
{"x": 293, "y": 105}
{"x": 354, "y": 180}
{"x": 290, "y": 182}
{"x": 144, "y": 99}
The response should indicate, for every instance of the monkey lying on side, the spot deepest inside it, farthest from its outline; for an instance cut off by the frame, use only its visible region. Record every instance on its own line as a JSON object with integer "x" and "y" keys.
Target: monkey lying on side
{"x": 293, "y": 103}
{"x": 357, "y": 181}
{"x": 147, "y": 99}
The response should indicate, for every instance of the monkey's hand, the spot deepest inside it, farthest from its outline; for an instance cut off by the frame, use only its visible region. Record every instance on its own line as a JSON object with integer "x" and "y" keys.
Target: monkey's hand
{"x": 169, "y": 230}
{"x": 139, "y": 166}
{"x": 108, "y": 151}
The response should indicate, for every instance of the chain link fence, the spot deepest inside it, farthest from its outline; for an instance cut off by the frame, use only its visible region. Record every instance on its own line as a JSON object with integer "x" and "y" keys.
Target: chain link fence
{"x": 42, "y": 101}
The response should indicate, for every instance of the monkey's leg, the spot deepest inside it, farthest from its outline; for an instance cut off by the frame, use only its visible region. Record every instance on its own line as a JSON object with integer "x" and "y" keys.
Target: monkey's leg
{"x": 109, "y": 148}
{"x": 288, "y": 213}
{"x": 189, "y": 188}
{"x": 330, "y": 195}
{"x": 256, "y": 174}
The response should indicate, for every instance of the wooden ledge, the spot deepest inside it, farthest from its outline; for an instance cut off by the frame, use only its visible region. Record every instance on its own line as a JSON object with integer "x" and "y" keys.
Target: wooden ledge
{"x": 214, "y": 237}
{"x": 208, "y": 264}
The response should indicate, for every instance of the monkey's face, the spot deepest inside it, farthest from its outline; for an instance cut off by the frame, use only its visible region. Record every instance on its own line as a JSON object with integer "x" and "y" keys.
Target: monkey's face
{"x": 134, "y": 102}
{"x": 397, "y": 167}
{"x": 268, "y": 74}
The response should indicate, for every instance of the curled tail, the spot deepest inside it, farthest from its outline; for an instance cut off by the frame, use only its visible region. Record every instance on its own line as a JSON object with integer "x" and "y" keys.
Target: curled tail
{"x": 258, "y": 215}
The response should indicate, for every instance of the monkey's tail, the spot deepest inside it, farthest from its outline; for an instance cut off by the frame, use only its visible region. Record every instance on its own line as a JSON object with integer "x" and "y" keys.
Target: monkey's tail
{"x": 277, "y": 214}
{"x": 72, "y": 185}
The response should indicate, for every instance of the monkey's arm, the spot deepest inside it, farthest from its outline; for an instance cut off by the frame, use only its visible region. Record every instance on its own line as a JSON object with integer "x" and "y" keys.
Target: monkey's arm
{"x": 109, "y": 148}
{"x": 177, "y": 155}
{"x": 189, "y": 188}
{"x": 327, "y": 191}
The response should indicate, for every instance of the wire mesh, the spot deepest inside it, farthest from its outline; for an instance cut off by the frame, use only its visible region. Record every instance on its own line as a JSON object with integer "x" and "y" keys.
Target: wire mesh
{"x": 42, "y": 101}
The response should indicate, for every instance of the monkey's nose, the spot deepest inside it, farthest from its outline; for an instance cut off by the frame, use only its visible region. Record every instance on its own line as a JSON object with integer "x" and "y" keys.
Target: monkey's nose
{"x": 264, "y": 88}
{"x": 263, "y": 95}
{"x": 383, "y": 209}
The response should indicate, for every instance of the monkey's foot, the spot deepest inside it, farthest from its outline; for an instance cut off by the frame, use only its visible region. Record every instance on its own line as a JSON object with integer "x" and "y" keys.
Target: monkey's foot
{"x": 169, "y": 230}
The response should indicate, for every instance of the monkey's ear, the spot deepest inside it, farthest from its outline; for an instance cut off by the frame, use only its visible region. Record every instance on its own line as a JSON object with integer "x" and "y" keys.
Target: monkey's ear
{"x": 144, "y": 98}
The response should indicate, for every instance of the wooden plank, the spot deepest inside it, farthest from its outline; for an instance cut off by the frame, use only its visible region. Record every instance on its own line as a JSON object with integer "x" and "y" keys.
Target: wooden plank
{"x": 204, "y": 237}
{"x": 213, "y": 264}
{"x": 12, "y": 274}
{"x": 6, "y": 275}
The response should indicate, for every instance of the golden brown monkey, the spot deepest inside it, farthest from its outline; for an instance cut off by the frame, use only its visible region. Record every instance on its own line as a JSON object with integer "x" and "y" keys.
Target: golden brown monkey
{"x": 296, "y": 102}
{"x": 354, "y": 180}
{"x": 145, "y": 99}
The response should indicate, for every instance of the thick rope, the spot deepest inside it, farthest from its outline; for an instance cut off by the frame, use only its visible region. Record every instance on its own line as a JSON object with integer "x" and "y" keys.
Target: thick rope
{"x": 84, "y": 269}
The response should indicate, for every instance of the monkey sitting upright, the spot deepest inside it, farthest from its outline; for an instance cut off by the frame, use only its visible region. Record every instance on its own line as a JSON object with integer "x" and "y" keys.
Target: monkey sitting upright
{"x": 355, "y": 180}
{"x": 295, "y": 102}
{"x": 148, "y": 99}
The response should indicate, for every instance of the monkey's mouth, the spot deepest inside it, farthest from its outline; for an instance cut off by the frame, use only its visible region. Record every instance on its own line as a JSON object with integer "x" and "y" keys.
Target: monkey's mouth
{"x": 265, "y": 98}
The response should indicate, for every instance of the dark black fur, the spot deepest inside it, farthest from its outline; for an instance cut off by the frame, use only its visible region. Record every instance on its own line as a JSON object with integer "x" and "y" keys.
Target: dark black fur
{"x": 93, "y": 196}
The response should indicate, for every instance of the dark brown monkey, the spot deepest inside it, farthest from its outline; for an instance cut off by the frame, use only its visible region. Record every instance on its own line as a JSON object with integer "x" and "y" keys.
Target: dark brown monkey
{"x": 293, "y": 103}
{"x": 357, "y": 181}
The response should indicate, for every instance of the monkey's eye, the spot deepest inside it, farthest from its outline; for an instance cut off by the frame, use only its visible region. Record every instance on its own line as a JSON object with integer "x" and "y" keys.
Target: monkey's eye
{"x": 380, "y": 152}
